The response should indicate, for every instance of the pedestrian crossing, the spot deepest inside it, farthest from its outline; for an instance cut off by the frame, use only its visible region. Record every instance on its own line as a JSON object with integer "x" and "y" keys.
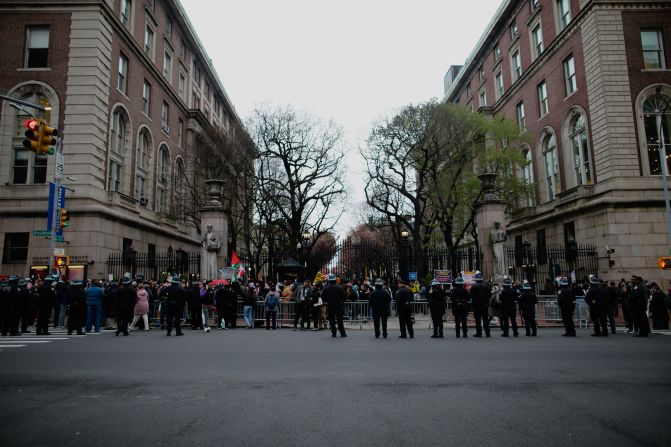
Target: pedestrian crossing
{"x": 30, "y": 339}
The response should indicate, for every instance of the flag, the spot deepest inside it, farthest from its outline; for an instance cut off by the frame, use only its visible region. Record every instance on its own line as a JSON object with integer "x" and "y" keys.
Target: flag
{"x": 235, "y": 264}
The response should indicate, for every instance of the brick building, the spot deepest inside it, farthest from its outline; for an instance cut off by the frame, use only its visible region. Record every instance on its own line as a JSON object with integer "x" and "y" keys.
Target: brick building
{"x": 590, "y": 80}
{"x": 131, "y": 89}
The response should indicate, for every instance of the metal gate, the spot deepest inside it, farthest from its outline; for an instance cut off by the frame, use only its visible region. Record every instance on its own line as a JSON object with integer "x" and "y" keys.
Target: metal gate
{"x": 155, "y": 265}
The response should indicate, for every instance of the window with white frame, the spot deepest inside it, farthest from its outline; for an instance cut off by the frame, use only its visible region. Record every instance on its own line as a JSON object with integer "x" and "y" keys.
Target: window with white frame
{"x": 165, "y": 111}
{"x": 167, "y": 65}
{"x": 468, "y": 90}
{"x": 570, "y": 83}
{"x": 543, "y": 103}
{"x": 534, "y": 4}
{"x": 162, "y": 179}
{"x": 580, "y": 145}
{"x": 483, "y": 98}
{"x": 149, "y": 41}
{"x": 180, "y": 132}
{"x": 143, "y": 149}
{"x": 513, "y": 30}
{"x": 123, "y": 73}
{"x": 653, "y": 49}
{"x": 182, "y": 86}
{"x": 119, "y": 132}
{"x": 37, "y": 47}
{"x": 657, "y": 125}
{"x": 521, "y": 116}
{"x": 125, "y": 12}
{"x": 551, "y": 165}
{"x": 168, "y": 26}
{"x": 481, "y": 73}
{"x": 516, "y": 60}
{"x": 564, "y": 13}
{"x": 536, "y": 41}
{"x": 528, "y": 175}
{"x": 499, "y": 85}
{"x": 497, "y": 52}
{"x": 114, "y": 176}
{"x": 140, "y": 187}
{"x": 146, "y": 98}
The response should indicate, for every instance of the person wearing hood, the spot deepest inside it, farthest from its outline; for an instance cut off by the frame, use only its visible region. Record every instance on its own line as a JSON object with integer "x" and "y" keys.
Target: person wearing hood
{"x": 379, "y": 304}
{"x": 141, "y": 308}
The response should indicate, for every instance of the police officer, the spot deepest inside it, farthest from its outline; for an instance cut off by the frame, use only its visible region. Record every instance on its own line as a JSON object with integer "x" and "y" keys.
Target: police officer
{"x": 459, "y": 299}
{"x": 46, "y": 298}
{"x": 597, "y": 300}
{"x": 404, "y": 299}
{"x": 125, "y": 299}
{"x": 11, "y": 302}
{"x": 77, "y": 307}
{"x": 437, "y": 305}
{"x": 639, "y": 303}
{"x": 334, "y": 296}
{"x": 379, "y": 304}
{"x": 25, "y": 306}
{"x": 230, "y": 306}
{"x": 480, "y": 296}
{"x": 566, "y": 303}
{"x": 175, "y": 299}
{"x": 528, "y": 301}
{"x": 508, "y": 298}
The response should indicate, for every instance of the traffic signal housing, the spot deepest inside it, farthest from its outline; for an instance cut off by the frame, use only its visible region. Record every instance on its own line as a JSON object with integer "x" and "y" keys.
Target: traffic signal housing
{"x": 664, "y": 263}
{"x": 64, "y": 218}
{"x": 47, "y": 139}
{"x": 33, "y": 135}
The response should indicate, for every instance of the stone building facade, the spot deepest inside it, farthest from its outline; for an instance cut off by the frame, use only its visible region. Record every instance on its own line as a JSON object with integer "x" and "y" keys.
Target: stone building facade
{"x": 590, "y": 81}
{"x": 130, "y": 87}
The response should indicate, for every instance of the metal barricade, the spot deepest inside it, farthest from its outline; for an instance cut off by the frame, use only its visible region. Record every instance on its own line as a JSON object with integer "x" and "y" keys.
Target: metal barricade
{"x": 549, "y": 312}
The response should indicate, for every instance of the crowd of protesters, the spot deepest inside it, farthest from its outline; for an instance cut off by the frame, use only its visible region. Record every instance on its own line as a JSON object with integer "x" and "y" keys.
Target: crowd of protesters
{"x": 134, "y": 303}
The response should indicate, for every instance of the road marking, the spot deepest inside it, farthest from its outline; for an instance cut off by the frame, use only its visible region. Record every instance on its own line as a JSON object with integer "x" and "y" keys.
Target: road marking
{"x": 26, "y": 341}
{"x": 46, "y": 338}
{"x": 13, "y": 346}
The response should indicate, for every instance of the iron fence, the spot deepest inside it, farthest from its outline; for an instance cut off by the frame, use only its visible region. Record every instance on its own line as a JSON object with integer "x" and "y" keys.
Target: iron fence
{"x": 154, "y": 265}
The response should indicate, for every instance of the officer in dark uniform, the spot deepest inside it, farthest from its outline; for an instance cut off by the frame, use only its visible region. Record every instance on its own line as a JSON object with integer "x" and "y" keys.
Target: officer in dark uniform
{"x": 597, "y": 300}
{"x": 639, "y": 303}
{"x": 77, "y": 307}
{"x": 125, "y": 299}
{"x": 46, "y": 298}
{"x": 437, "y": 305}
{"x": 566, "y": 303}
{"x": 379, "y": 304}
{"x": 334, "y": 296}
{"x": 175, "y": 299}
{"x": 26, "y": 307}
{"x": 459, "y": 300}
{"x": 11, "y": 302}
{"x": 528, "y": 301}
{"x": 230, "y": 306}
{"x": 480, "y": 296}
{"x": 404, "y": 309}
{"x": 193, "y": 292}
{"x": 508, "y": 299}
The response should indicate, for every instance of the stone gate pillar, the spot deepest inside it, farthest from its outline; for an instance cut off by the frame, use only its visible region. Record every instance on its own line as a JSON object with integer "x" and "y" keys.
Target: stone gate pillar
{"x": 214, "y": 231}
{"x": 489, "y": 212}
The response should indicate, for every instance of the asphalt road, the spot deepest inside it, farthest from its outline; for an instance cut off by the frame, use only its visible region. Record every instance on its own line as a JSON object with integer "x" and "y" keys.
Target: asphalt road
{"x": 285, "y": 388}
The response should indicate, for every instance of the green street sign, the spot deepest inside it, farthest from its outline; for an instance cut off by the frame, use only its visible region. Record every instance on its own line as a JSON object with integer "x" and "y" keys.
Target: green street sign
{"x": 38, "y": 233}
{"x": 60, "y": 239}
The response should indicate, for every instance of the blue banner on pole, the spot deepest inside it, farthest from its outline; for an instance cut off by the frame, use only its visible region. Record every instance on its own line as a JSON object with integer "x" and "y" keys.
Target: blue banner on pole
{"x": 60, "y": 203}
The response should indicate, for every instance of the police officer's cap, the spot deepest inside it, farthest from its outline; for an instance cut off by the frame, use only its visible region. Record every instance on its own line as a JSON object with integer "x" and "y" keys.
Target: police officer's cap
{"x": 459, "y": 281}
{"x": 379, "y": 282}
{"x": 77, "y": 282}
{"x": 435, "y": 283}
{"x": 174, "y": 280}
{"x": 563, "y": 281}
{"x": 479, "y": 277}
{"x": 331, "y": 277}
{"x": 125, "y": 281}
{"x": 593, "y": 279}
{"x": 507, "y": 282}
{"x": 526, "y": 286}
{"x": 13, "y": 278}
{"x": 48, "y": 278}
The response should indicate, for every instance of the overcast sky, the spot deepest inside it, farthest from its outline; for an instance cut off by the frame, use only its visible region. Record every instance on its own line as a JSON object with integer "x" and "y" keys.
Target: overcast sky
{"x": 352, "y": 61}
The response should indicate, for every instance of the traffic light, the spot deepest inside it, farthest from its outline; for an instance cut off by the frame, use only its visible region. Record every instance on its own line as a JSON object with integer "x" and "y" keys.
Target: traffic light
{"x": 664, "y": 263}
{"x": 33, "y": 135}
{"x": 47, "y": 139}
{"x": 64, "y": 218}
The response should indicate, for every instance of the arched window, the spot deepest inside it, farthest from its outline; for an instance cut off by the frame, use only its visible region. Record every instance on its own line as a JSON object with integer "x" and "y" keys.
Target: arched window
{"x": 119, "y": 143}
{"x": 162, "y": 169}
{"x": 141, "y": 163}
{"x": 178, "y": 189}
{"x": 656, "y": 119}
{"x": 528, "y": 175}
{"x": 27, "y": 166}
{"x": 551, "y": 165}
{"x": 581, "y": 153}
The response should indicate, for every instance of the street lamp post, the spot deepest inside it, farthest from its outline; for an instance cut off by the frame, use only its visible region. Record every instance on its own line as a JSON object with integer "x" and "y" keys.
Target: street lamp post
{"x": 403, "y": 258}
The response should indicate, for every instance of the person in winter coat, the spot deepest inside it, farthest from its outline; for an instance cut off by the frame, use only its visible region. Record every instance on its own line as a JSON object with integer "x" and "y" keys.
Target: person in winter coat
{"x": 141, "y": 308}
{"x": 94, "y": 303}
{"x": 437, "y": 305}
{"x": 508, "y": 299}
{"x": 271, "y": 306}
{"x": 528, "y": 301}
{"x": 76, "y": 307}
{"x": 459, "y": 300}
{"x": 125, "y": 299}
{"x": 659, "y": 309}
{"x": 380, "y": 300}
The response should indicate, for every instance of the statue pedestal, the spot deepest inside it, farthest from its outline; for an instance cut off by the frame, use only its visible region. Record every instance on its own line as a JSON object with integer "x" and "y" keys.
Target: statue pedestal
{"x": 218, "y": 218}
{"x": 489, "y": 211}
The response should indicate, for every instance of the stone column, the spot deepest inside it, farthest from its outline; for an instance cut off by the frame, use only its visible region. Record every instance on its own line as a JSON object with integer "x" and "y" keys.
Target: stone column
{"x": 490, "y": 210}
{"x": 213, "y": 214}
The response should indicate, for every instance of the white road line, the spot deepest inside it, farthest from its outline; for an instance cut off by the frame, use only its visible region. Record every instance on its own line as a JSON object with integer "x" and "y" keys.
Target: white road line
{"x": 12, "y": 346}
{"x": 26, "y": 341}
{"x": 46, "y": 338}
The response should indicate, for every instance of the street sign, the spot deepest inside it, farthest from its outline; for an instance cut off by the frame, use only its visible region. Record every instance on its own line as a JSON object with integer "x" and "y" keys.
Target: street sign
{"x": 59, "y": 251}
{"x": 41, "y": 233}
{"x": 60, "y": 165}
{"x": 60, "y": 239}
{"x": 59, "y": 202}
{"x": 412, "y": 276}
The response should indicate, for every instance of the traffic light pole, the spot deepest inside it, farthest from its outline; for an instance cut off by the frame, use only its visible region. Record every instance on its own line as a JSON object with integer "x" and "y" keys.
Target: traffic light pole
{"x": 58, "y": 175}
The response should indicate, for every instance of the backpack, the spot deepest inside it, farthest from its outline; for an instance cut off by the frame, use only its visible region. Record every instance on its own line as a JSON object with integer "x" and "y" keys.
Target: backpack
{"x": 272, "y": 302}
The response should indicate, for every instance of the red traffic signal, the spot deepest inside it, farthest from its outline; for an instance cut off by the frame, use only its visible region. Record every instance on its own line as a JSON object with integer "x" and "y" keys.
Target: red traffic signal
{"x": 33, "y": 135}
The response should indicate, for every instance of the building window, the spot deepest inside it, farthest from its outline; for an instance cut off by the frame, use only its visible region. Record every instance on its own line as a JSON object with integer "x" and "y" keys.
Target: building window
{"x": 528, "y": 176}
{"x": 653, "y": 50}
{"x": 140, "y": 187}
{"x": 167, "y": 66}
{"x": 483, "y": 98}
{"x": 181, "y": 86}
{"x": 168, "y": 27}
{"x": 118, "y": 136}
{"x": 149, "y": 41}
{"x": 15, "y": 248}
{"x": 497, "y": 52}
{"x": 123, "y": 73}
{"x": 534, "y": 4}
{"x": 551, "y": 166}
{"x": 579, "y": 142}
{"x": 165, "y": 111}
{"x": 468, "y": 90}
{"x": 162, "y": 166}
{"x": 657, "y": 122}
{"x": 564, "y": 11}
{"x": 146, "y": 97}
{"x": 180, "y": 132}
{"x": 499, "y": 85}
{"x": 114, "y": 176}
{"x": 543, "y": 99}
{"x": 516, "y": 64}
{"x": 37, "y": 47}
{"x": 143, "y": 149}
{"x": 182, "y": 50}
{"x": 513, "y": 30}
{"x": 570, "y": 82}
{"x": 125, "y": 12}
{"x": 521, "y": 117}
{"x": 537, "y": 41}
{"x": 481, "y": 73}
